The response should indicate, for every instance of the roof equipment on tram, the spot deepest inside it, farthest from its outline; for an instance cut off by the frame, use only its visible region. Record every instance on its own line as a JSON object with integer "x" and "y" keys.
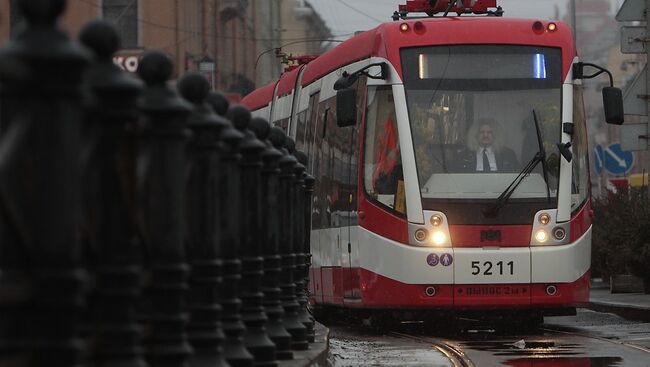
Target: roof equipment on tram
{"x": 460, "y": 7}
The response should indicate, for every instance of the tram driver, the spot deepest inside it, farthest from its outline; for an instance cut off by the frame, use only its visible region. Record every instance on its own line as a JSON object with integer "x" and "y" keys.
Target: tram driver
{"x": 486, "y": 152}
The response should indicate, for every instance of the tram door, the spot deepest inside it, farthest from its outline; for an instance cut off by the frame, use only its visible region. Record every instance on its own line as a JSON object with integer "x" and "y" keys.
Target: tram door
{"x": 314, "y": 168}
{"x": 349, "y": 191}
{"x": 340, "y": 194}
{"x": 349, "y": 220}
{"x": 326, "y": 200}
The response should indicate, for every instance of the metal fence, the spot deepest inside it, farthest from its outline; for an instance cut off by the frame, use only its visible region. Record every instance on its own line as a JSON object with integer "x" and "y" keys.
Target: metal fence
{"x": 139, "y": 226}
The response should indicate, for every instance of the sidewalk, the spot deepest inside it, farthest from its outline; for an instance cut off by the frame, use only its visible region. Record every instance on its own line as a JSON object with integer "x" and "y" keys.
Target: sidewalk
{"x": 316, "y": 355}
{"x": 633, "y": 306}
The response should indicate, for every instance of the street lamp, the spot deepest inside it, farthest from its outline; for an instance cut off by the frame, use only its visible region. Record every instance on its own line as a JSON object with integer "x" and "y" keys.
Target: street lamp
{"x": 207, "y": 68}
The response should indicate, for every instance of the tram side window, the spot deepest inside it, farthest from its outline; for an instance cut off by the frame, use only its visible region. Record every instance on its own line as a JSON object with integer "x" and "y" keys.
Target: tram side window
{"x": 301, "y": 145}
{"x": 282, "y": 124}
{"x": 383, "y": 178}
{"x": 322, "y": 204}
{"x": 353, "y": 153}
{"x": 312, "y": 116}
{"x": 580, "y": 181}
{"x": 337, "y": 190}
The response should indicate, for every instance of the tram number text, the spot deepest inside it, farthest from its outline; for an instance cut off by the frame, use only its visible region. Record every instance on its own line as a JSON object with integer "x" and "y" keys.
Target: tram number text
{"x": 490, "y": 268}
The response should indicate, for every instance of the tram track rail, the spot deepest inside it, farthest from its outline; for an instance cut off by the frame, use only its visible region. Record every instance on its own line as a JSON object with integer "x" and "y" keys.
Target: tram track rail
{"x": 459, "y": 358}
{"x": 566, "y": 331}
{"x": 456, "y": 356}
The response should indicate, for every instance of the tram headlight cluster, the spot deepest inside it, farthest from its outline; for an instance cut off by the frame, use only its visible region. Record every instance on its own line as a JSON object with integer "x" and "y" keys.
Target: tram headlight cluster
{"x": 435, "y": 233}
{"x": 547, "y": 231}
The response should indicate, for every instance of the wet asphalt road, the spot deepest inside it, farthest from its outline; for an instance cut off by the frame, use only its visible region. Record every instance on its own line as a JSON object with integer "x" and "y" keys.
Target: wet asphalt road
{"x": 589, "y": 339}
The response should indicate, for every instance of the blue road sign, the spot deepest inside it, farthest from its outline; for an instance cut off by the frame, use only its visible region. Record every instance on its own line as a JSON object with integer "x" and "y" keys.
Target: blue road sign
{"x": 599, "y": 158}
{"x": 616, "y": 160}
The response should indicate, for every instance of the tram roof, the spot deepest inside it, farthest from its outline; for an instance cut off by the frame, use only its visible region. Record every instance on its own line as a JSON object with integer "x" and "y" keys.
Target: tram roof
{"x": 387, "y": 39}
{"x": 260, "y": 97}
{"x": 288, "y": 81}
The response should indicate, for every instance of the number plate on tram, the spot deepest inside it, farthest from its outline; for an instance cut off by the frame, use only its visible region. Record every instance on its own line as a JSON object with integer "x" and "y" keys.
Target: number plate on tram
{"x": 492, "y": 291}
{"x": 478, "y": 266}
{"x": 493, "y": 268}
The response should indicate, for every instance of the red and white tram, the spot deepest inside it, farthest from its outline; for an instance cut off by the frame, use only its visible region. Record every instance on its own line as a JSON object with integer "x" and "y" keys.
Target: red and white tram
{"x": 406, "y": 213}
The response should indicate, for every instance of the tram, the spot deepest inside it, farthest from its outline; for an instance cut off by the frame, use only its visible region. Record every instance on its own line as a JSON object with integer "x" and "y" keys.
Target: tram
{"x": 450, "y": 153}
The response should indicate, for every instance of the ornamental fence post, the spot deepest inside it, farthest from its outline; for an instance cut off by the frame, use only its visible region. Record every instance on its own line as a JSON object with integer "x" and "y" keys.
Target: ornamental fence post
{"x": 234, "y": 350}
{"x": 251, "y": 246}
{"x": 271, "y": 236}
{"x": 162, "y": 188}
{"x": 109, "y": 220}
{"x": 292, "y": 321}
{"x": 202, "y": 236}
{"x": 42, "y": 278}
{"x": 303, "y": 245}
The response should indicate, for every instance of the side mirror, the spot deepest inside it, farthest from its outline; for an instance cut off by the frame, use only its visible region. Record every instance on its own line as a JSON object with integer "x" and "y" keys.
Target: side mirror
{"x": 613, "y": 104}
{"x": 346, "y": 107}
{"x": 345, "y": 81}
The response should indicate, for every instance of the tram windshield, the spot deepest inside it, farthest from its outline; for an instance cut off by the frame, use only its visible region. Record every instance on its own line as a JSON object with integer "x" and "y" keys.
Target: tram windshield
{"x": 471, "y": 111}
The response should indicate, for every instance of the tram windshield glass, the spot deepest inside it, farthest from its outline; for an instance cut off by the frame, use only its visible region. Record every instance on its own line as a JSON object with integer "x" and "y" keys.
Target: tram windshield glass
{"x": 472, "y": 110}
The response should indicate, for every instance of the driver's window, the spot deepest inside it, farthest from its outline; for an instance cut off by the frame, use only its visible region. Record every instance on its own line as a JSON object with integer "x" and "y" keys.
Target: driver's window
{"x": 383, "y": 177}
{"x": 580, "y": 179}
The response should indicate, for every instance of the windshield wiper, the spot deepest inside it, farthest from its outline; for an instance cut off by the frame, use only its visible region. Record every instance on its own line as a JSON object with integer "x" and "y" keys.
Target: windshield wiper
{"x": 543, "y": 151}
{"x": 540, "y": 156}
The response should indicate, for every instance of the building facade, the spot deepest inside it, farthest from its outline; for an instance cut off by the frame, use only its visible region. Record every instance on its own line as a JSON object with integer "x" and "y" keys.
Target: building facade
{"x": 598, "y": 40}
{"x": 191, "y": 31}
{"x": 288, "y": 28}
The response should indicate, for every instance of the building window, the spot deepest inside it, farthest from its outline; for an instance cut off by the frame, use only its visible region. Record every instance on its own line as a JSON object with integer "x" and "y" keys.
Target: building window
{"x": 15, "y": 16}
{"x": 124, "y": 15}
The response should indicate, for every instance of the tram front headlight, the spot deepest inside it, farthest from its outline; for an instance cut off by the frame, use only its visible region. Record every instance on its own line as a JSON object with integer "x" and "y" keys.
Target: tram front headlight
{"x": 541, "y": 236}
{"x": 439, "y": 238}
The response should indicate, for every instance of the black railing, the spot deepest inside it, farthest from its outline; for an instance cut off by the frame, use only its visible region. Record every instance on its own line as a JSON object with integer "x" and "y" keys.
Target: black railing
{"x": 140, "y": 224}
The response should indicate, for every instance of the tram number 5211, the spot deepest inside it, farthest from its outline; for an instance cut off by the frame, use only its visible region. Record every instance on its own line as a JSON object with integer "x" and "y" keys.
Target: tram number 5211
{"x": 490, "y": 268}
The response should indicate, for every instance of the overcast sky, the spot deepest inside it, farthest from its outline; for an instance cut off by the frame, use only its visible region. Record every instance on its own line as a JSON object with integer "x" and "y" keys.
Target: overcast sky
{"x": 347, "y": 16}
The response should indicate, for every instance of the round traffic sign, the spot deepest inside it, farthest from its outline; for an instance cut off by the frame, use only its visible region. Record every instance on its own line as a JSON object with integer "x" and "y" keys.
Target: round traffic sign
{"x": 616, "y": 160}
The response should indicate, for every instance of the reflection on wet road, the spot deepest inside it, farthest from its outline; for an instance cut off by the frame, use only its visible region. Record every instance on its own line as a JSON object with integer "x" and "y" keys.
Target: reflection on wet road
{"x": 588, "y": 340}
{"x": 548, "y": 350}
{"x": 347, "y": 348}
